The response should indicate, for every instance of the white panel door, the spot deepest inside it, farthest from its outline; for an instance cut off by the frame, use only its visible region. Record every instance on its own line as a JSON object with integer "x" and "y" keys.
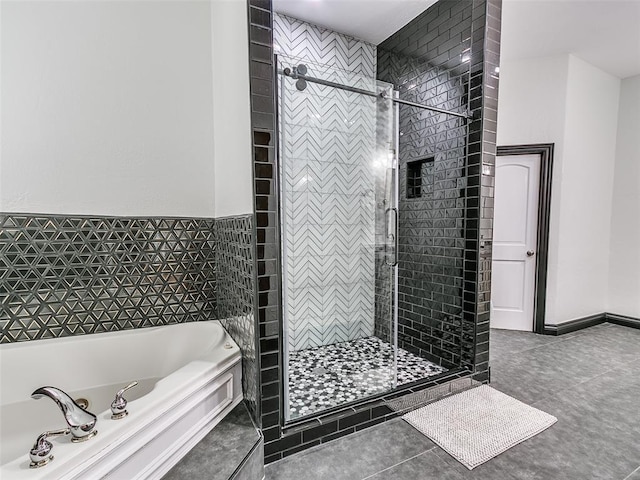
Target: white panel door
{"x": 514, "y": 241}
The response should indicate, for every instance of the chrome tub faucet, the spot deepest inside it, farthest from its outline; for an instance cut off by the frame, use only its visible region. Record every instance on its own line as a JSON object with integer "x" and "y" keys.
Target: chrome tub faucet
{"x": 82, "y": 423}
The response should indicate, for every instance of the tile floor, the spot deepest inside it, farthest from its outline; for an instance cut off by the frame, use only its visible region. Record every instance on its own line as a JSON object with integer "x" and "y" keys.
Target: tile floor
{"x": 218, "y": 455}
{"x": 327, "y": 376}
{"x": 588, "y": 379}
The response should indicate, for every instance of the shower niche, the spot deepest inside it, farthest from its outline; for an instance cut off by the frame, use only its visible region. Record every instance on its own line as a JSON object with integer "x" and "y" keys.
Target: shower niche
{"x": 371, "y": 159}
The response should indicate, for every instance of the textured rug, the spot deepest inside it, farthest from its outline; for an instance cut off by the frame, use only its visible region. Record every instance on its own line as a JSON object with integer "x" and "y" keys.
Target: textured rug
{"x": 476, "y": 425}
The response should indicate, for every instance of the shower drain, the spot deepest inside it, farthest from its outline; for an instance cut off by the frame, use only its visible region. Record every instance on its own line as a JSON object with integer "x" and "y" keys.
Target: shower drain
{"x": 319, "y": 371}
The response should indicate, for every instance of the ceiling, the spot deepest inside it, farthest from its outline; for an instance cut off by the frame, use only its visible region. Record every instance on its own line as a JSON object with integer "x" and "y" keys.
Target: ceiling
{"x": 605, "y": 33}
{"x": 370, "y": 20}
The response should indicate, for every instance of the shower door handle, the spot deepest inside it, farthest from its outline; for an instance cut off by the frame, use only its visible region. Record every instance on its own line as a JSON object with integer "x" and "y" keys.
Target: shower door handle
{"x": 392, "y": 237}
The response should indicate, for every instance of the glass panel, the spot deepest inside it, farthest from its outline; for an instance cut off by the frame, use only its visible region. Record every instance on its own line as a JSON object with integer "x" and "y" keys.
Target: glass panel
{"x": 338, "y": 199}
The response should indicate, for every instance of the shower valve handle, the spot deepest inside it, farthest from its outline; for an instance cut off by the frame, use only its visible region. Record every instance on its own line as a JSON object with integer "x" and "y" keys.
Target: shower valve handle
{"x": 119, "y": 405}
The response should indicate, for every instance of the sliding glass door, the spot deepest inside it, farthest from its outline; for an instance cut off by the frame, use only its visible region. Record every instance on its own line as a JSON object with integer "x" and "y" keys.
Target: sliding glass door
{"x": 338, "y": 187}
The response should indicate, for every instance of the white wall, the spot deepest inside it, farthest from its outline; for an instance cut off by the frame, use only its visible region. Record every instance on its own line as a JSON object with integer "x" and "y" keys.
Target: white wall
{"x": 564, "y": 100}
{"x": 114, "y": 108}
{"x": 231, "y": 116}
{"x": 531, "y": 109}
{"x": 588, "y": 162}
{"x": 624, "y": 273}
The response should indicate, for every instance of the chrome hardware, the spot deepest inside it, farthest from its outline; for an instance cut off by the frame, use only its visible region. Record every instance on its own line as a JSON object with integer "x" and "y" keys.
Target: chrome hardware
{"x": 300, "y": 73}
{"x": 81, "y": 423}
{"x": 119, "y": 405}
{"x": 530, "y": 253}
{"x": 392, "y": 237}
{"x": 40, "y": 453}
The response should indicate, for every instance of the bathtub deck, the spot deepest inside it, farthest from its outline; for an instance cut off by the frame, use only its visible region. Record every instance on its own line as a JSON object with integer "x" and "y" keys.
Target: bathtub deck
{"x": 218, "y": 455}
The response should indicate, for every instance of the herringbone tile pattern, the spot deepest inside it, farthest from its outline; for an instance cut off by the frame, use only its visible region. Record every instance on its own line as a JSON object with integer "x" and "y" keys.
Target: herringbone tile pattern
{"x": 328, "y": 141}
{"x": 321, "y": 46}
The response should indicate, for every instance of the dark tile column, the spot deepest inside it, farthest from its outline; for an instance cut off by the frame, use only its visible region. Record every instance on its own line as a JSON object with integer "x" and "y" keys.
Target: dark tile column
{"x": 482, "y": 153}
{"x": 263, "y": 124}
{"x": 428, "y": 61}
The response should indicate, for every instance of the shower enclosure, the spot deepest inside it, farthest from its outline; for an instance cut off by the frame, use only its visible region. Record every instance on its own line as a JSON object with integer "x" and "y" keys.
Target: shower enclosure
{"x": 338, "y": 157}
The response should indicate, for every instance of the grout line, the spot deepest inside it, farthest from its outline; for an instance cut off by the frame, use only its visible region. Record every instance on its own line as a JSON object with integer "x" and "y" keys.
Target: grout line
{"x": 555, "y": 392}
{"x": 629, "y": 476}
{"x": 399, "y": 463}
{"x": 560, "y": 338}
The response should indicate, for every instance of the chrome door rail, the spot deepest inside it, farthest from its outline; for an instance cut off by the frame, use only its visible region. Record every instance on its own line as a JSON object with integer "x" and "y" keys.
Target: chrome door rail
{"x": 298, "y": 75}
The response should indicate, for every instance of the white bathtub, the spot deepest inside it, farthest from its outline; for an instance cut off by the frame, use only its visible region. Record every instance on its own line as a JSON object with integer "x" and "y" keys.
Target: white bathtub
{"x": 189, "y": 378}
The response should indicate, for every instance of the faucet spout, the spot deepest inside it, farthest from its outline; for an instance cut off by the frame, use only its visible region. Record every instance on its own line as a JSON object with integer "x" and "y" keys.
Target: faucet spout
{"x": 81, "y": 423}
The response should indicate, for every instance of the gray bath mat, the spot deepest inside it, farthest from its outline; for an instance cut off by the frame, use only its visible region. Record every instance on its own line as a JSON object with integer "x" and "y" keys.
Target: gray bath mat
{"x": 476, "y": 425}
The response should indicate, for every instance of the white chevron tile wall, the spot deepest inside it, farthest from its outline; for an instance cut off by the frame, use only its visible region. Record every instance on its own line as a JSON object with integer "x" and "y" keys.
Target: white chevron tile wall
{"x": 328, "y": 142}
{"x": 324, "y": 47}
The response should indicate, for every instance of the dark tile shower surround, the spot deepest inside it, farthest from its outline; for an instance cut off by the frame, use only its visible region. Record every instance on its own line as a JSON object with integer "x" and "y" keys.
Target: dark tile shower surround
{"x": 74, "y": 275}
{"x": 471, "y": 319}
{"x": 430, "y": 69}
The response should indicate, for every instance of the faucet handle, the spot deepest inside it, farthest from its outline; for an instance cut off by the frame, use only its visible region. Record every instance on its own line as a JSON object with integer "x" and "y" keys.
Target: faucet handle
{"x": 40, "y": 453}
{"x": 119, "y": 405}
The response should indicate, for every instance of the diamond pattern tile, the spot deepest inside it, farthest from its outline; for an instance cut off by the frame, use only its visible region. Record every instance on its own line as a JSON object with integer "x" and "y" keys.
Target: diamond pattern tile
{"x": 64, "y": 276}
{"x": 235, "y": 295}
{"x": 74, "y": 275}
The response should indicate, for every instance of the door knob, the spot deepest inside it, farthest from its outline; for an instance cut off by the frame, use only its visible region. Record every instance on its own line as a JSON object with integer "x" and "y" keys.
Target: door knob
{"x": 530, "y": 253}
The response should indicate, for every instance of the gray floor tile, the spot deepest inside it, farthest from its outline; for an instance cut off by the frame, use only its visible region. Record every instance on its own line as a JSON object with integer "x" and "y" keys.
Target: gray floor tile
{"x": 491, "y": 470}
{"x": 566, "y": 452}
{"x": 537, "y": 373}
{"x": 613, "y": 346}
{"x": 598, "y": 431}
{"x": 587, "y": 379}
{"x": 506, "y": 343}
{"x": 427, "y": 466}
{"x": 599, "y": 423}
{"x": 635, "y": 475}
{"x": 531, "y": 376}
{"x": 220, "y": 452}
{"x": 509, "y": 342}
{"x": 355, "y": 456}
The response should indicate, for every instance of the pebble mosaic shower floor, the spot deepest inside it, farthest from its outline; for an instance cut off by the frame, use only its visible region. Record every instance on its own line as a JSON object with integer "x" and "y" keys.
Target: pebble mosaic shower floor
{"x": 331, "y": 375}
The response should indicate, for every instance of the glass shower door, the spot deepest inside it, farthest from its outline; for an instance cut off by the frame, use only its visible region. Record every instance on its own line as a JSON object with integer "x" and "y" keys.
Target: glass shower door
{"x": 338, "y": 224}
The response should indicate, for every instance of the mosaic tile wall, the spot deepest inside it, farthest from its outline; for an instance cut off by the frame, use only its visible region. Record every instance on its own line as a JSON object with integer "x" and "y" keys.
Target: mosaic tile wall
{"x": 71, "y": 275}
{"x": 281, "y": 441}
{"x": 328, "y": 203}
{"x": 432, "y": 68}
{"x": 235, "y": 281}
